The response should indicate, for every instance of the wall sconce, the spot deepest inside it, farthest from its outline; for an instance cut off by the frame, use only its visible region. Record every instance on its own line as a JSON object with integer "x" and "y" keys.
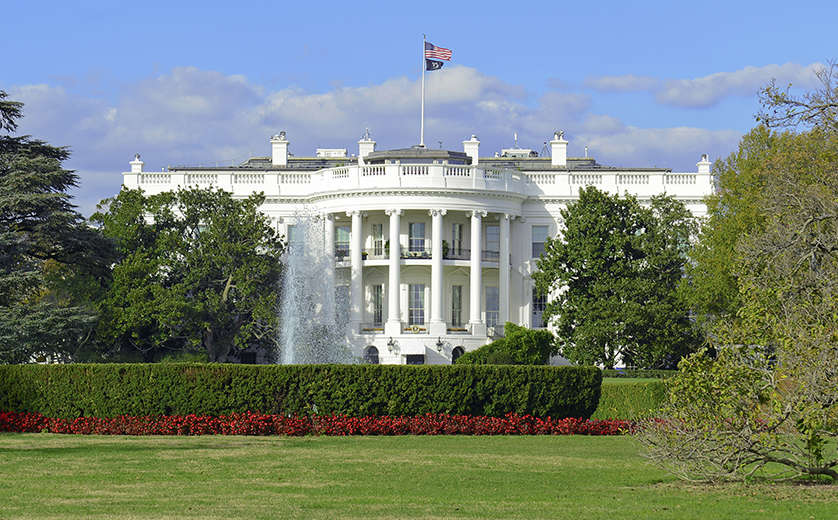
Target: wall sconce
{"x": 390, "y": 344}
{"x": 439, "y": 344}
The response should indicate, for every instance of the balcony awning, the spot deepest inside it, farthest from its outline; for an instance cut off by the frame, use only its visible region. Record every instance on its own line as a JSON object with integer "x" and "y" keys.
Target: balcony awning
{"x": 411, "y": 347}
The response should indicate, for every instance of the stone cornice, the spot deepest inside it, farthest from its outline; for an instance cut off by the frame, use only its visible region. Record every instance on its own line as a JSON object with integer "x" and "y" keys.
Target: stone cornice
{"x": 417, "y": 192}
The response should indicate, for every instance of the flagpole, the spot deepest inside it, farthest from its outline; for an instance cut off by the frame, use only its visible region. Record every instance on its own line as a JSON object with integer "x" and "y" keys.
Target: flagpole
{"x": 422, "y": 124}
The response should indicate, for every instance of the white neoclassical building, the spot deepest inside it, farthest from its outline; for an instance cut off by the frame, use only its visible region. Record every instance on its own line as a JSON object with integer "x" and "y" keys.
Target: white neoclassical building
{"x": 438, "y": 246}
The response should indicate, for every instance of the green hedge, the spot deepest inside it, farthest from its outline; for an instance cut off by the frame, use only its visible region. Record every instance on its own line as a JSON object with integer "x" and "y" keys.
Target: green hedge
{"x": 109, "y": 390}
{"x": 630, "y": 400}
{"x": 639, "y": 374}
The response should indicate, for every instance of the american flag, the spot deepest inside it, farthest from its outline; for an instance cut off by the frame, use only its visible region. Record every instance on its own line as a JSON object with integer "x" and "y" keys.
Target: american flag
{"x": 437, "y": 53}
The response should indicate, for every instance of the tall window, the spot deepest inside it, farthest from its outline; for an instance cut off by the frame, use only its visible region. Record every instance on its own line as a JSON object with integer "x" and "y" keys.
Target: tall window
{"x": 378, "y": 239}
{"x": 456, "y": 241}
{"x": 539, "y": 304}
{"x": 377, "y": 305}
{"x": 294, "y": 235}
{"x": 416, "y": 307}
{"x": 539, "y": 237}
{"x": 492, "y": 243}
{"x": 342, "y": 241}
{"x": 457, "y": 306}
{"x": 492, "y": 306}
{"x": 416, "y": 236}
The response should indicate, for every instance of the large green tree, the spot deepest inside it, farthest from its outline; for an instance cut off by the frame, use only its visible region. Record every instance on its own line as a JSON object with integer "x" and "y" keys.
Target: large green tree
{"x": 614, "y": 274}
{"x": 199, "y": 271}
{"x": 768, "y": 403}
{"x": 44, "y": 244}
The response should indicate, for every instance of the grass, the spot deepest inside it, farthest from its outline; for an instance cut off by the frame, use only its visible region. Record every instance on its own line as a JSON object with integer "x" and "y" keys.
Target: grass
{"x": 67, "y": 477}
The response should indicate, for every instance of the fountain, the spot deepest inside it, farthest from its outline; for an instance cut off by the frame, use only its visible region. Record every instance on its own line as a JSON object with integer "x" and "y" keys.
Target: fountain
{"x": 314, "y": 304}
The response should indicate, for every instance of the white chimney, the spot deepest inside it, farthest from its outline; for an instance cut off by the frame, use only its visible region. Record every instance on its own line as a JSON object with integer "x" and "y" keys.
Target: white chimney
{"x": 704, "y": 165}
{"x": 137, "y": 164}
{"x": 472, "y": 148}
{"x": 558, "y": 150}
{"x": 365, "y": 147}
{"x": 279, "y": 149}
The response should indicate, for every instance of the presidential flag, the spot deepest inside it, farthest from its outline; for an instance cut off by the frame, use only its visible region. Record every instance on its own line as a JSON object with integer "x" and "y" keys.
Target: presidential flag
{"x": 437, "y": 53}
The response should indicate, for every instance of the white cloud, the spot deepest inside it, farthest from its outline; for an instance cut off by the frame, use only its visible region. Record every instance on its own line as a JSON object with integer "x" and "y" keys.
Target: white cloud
{"x": 707, "y": 91}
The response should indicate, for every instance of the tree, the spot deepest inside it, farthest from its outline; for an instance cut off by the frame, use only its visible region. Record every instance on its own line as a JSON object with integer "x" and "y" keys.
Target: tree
{"x": 518, "y": 346}
{"x": 615, "y": 273}
{"x": 42, "y": 234}
{"x": 199, "y": 270}
{"x": 768, "y": 404}
{"x": 814, "y": 109}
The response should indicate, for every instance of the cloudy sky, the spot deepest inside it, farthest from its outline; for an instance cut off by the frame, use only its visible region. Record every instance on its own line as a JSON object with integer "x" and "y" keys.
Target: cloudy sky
{"x": 654, "y": 83}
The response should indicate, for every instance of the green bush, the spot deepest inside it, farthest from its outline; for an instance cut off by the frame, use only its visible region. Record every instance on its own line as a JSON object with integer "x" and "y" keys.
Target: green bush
{"x": 518, "y": 346}
{"x": 639, "y": 373}
{"x": 630, "y": 400}
{"x": 108, "y": 390}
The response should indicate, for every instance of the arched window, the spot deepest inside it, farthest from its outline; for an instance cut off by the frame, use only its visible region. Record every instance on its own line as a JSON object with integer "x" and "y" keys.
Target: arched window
{"x": 371, "y": 355}
{"x": 456, "y": 353}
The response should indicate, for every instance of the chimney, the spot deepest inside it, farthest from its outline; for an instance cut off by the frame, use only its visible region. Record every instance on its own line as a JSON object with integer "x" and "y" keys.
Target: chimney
{"x": 558, "y": 150}
{"x": 279, "y": 149}
{"x": 365, "y": 147}
{"x": 704, "y": 165}
{"x": 472, "y": 147}
{"x": 137, "y": 164}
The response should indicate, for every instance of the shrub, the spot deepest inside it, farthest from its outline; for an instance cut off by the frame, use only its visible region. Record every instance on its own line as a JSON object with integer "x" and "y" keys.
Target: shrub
{"x": 111, "y": 390}
{"x": 630, "y": 401}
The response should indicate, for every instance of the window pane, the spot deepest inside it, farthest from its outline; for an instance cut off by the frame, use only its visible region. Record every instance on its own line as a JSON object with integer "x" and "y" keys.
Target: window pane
{"x": 539, "y": 303}
{"x": 416, "y": 237}
{"x": 492, "y": 306}
{"x": 342, "y": 240}
{"x": 416, "y": 311}
{"x": 457, "y": 306}
{"x": 539, "y": 237}
{"x": 492, "y": 243}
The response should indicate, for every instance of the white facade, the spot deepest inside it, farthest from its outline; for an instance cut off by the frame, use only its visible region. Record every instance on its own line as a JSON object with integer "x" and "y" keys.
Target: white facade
{"x": 468, "y": 230}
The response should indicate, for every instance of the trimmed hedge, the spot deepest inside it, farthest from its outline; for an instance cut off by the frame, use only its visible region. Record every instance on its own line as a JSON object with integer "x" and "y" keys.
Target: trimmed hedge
{"x": 639, "y": 374}
{"x": 630, "y": 401}
{"x": 111, "y": 390}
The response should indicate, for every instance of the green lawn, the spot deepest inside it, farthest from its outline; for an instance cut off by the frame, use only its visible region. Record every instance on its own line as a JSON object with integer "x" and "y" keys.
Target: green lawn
{"x": 55, "y": 476}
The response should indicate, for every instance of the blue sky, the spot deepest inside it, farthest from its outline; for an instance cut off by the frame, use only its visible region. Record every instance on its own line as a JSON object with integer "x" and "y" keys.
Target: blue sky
{"x": 640, "y": 84}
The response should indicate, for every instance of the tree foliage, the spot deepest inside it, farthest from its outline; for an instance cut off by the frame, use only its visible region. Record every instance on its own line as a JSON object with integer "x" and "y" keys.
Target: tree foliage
{"x": 43, "y": 241}
{"x": 518, "y": 346}
{"x": 199, "y": 270}
{"x": 615, "y": 272}
{"x": 768, "y": 405}
{"x": 814, "y": 109}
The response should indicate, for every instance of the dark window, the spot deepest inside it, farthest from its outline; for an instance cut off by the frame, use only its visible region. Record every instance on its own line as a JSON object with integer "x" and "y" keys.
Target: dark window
{"x": 456, "y": 353}
{"x": 371, "y": 356}
{"x": 415, "y": 359}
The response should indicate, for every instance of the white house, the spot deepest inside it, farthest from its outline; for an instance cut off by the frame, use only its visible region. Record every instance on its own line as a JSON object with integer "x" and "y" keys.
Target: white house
{"x": 438, "y": 247}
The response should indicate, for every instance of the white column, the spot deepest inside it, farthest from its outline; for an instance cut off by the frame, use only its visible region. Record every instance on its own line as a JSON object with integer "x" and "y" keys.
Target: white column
{"x": 329, "y": 234}
{"x": 477, "y": 325}
{"x": 437, "y": 323}
{"x": 393, "y": 327}
{"x": 503, "y": 267}
{"x": 356, "y": 283}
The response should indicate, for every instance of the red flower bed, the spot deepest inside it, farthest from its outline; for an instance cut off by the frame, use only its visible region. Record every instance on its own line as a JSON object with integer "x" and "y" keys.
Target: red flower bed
{"x": 259, "y": 424}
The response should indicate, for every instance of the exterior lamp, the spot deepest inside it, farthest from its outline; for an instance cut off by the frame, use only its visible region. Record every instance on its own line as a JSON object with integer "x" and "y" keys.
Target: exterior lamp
{"x": 390, "y": 344}
{"x": 439, "y": 344}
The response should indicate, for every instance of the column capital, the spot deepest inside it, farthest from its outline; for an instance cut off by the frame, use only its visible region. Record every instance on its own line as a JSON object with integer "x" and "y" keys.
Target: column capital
{"x": 476, "y": 213}
{"x": 522, "y": 219}
{"x": 391, "y": 212}
{"x": 436, "y": 212}
{"x": 509, "y": 216}
{"x": 356, "y": 213}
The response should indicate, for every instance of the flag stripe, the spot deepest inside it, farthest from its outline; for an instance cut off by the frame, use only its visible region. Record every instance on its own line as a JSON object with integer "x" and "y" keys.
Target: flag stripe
{"x": 437, "y": 53}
